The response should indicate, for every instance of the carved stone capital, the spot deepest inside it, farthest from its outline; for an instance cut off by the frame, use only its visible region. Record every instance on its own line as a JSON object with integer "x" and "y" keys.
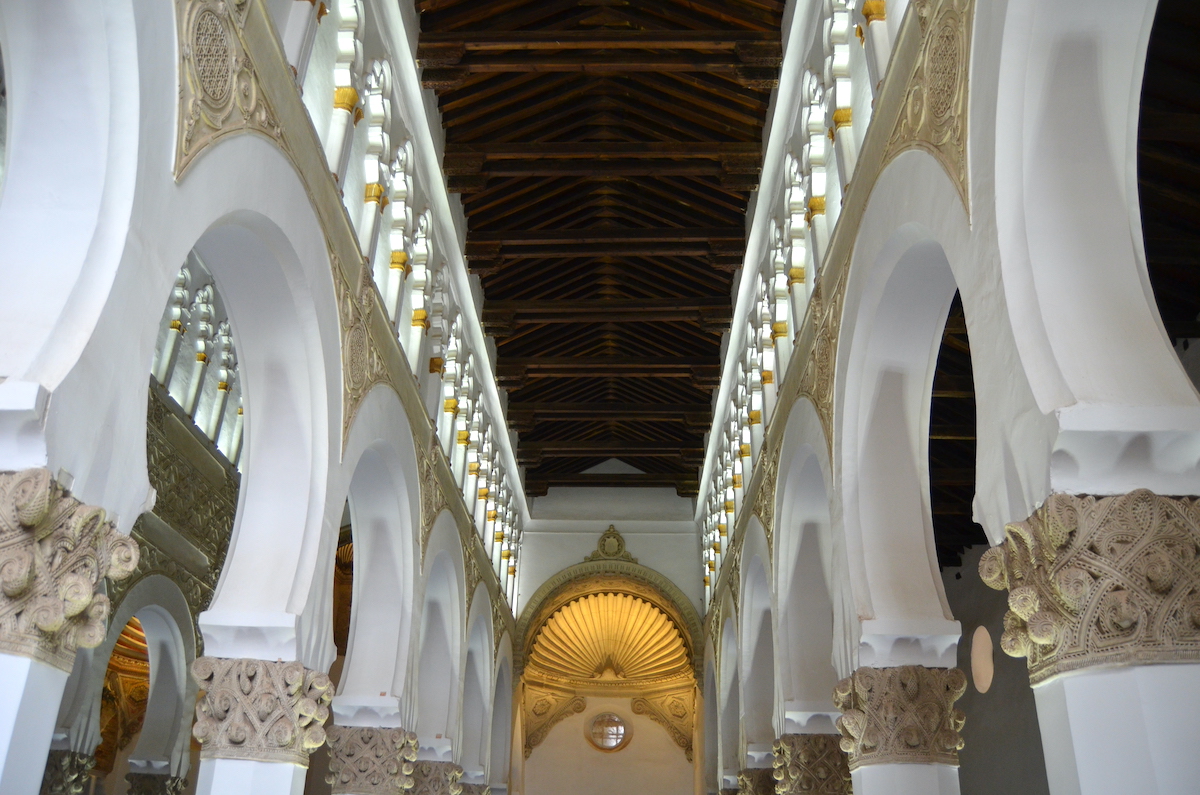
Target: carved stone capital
{"x": 370, "y": 761}
{"x": 811, "y": 763}
{"x": 901, "y": 715}
{"x": 476, "y": 789}
{"x": 1100, "y": 581}
{"x": 436, "y": 778}
{"x": 152, "y": 784}
{"x": 756, "y": 781}
{"x": 66, "y": 773}
{"x": 54, "y": 551}
{"x": 259, "y": 710}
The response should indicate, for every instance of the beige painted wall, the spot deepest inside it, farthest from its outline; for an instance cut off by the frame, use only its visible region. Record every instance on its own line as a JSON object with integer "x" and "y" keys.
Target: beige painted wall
{"x": 566, "y": 763}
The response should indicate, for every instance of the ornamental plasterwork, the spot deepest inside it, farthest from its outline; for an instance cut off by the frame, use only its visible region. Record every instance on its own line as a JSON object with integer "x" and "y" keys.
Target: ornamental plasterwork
{"x": 363, "y": 364}
{"x": 436, "y": 778}
{"x": 545, "y": 707}
{"x": 54, "y": 551}
{"x": 901, "y": 715}
{"x": 933, "y": 116}
{"x": 219, "y": 92}
{"x": 192, "y": 504}
{"x": 473, "y": 575}
{"x": 673, "y": 710}
{"x": 500, "y": 623}
{"x": 153, "y": 784}
{"x": 764, "y": 498}
{"x": 756, "y": 781}
{"x": 611, "y": 546}
{"x": 67, "y": 772}
{"x": 1100, "y": 581}
{"x": 811, "y": 764}
{"x": 370, "y": 761}
{"x": 259, "y": 710}
{"x": 816, "y": 380}
{"x": 433, "y": 499}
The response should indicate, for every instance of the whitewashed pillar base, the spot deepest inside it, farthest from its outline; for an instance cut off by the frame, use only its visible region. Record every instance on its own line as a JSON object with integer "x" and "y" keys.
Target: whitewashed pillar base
{"x": 29, "y": 702}
{"x": 905, "y": 780}
{"x": 247, "y": 777}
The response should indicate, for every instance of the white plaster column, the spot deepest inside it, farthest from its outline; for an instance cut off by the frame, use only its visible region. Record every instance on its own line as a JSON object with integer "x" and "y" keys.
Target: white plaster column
{"x": 1104, "y": 598}
{"x": 893, "y": 746}
{"x": 257, "y": 724}
{"x": 54, "y": 551}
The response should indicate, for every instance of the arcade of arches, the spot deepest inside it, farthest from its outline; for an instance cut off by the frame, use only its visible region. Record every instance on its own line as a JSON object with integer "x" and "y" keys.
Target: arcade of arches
{"x": 693, "y": 397}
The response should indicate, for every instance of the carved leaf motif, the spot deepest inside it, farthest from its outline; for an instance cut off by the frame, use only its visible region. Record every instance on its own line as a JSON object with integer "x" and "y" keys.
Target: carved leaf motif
{"x": 811, "y": 764}
{"x": 371, "y": 761}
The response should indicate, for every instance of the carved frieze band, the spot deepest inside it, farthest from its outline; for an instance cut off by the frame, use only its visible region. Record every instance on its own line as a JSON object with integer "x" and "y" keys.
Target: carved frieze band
{"x": 934, "y": 113}
{"x": 219, "y": 92}
{"x": 1100, "y": 581}
{"x": 259, "y": 710}
{"x": 436, "y": 778}
{"x": 811, "y": 764}
{"x": 901, "y": 715}
{"x": 370, "y": 761}
{"x": 756, "y": 781}
{"x": 54, "y": 550}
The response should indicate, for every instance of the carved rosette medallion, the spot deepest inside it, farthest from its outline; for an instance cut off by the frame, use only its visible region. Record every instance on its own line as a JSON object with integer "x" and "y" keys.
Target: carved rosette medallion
{"x": 934, "y": 115}
{"x": 1100, "y": 581}
{"x": 54, "y": 551}
{"x": 67, "y": 773}
{"x": 436, "y": 778}
{"x": 151, "y": 784}
{"x": 370, "y": 761}
{"x": 811, "y": 763}
{"x": 673, "y": 711}
{"x": 219, "y": 93}
{"x": 901, "y": 715}
{"x": 545, "y": 708}
{"x": 259, "y": 710}
{"x": 756, "y": 781}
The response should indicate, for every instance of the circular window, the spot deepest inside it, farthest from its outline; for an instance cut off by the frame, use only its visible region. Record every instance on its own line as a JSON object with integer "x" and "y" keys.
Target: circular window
{"x": 608, "y": 732}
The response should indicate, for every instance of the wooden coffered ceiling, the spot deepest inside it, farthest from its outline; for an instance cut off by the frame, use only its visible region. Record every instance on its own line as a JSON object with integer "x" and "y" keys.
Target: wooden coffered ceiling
{"x": 605, "y": 151}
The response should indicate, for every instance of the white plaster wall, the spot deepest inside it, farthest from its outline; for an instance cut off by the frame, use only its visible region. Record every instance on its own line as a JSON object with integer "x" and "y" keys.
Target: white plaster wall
{"x": 565, "y": 762}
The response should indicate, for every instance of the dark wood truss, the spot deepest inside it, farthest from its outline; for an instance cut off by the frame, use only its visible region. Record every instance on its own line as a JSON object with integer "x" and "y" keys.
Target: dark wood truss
{"x": 604, "y": 151}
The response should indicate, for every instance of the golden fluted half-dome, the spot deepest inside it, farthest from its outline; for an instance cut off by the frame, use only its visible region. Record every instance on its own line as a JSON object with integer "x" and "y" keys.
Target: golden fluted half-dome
{"x": 612, "y": 637}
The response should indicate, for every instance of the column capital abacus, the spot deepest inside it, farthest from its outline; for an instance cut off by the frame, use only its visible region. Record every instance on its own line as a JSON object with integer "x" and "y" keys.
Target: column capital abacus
{"x": 904, "y": 714}
{"x": 1100, "y": 582}
{"x": 259, "y": 710}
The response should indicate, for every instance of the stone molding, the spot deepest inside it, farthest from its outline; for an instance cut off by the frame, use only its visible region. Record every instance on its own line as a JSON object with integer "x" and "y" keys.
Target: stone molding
{"x": 756, "y": 781}
{"x": 259, "y": 710}
{"x": 1100, "y": 582}
{"x": 370, "y": 761}
{"x": 54, "y": 551}
{"x": 901, "y": 715}
{"x": 436, "y": 778}
{"x": 67, "y": 773}
{"x": 153, "y": 784}
{"x": 811, "y": 763}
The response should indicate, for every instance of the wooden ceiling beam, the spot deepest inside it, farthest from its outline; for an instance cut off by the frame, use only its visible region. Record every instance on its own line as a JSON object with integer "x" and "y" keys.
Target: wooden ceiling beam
{"x": 438, "y": 48}
{"x": 599, "y": 150}
{"x": 684, "y": 485}
{"x": 710, "y": 313}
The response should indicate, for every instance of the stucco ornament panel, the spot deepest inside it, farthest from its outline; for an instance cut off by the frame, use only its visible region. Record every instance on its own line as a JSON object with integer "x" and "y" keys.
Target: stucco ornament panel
{"x": 816, "y": 380}
{"x": 756, "y": 781}
{"x": 370, "y": 761}
{"x": 259, "y": 710}
{"x": 1100, "y": 581}
{"x": 436, "y": 778}
{"x": 544, "y": 709}
{"x": 901, "y": 715}
{"x": 54, "y": 550}
{"x": 219, "y": 92}
{"x": 673, "y": 711}
{"x": 611, "y": 546}
{"x": 934, "y": 113}
{"x": 433, "y": 498}
{"x": 363, "y": 365}
{"x": 151, "y": 784}
{"x": 764, "y": 498}
{"x": 67, "y": 772}
{"x": 811, "y": 764}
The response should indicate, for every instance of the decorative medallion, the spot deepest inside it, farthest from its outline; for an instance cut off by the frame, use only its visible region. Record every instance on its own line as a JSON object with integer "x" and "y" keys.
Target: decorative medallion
{"x": 545, "y": 708}
{"x": 611, "y": 547}
{"x": 54, "y": 551}
{"x": 259, "y": 710}
{"x": 934, "y": 115}
{"x": 1100, "y": 581}
{"x": 673, "y": 710}
{"x": 901, "y": 715}
{"x": 219, "y": 92}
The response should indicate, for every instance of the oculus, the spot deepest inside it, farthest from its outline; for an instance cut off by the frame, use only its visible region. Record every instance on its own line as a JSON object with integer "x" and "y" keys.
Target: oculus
{"x": 608, "y": 732}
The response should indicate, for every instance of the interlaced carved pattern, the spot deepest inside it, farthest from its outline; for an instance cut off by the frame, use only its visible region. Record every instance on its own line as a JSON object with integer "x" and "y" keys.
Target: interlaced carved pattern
{"x": 437, "y": 778}
{"x": 756, "y": 781}
{"x": 153, "y": 784}
{"x": 259, "y": 710}
{"x": 363, "y": 364}
{"x": 54, "y": 550}
{"x": 67, "y": 772}
{"x": 764, "y": 498}
{"x": 901, "y": 715}
{"x": 816, "y": 380}
{"x": 811, "y": 764}
{"x": 219, "y": 92}
{"x": 371, "y": 761}
{"x": 1100, "y": 581}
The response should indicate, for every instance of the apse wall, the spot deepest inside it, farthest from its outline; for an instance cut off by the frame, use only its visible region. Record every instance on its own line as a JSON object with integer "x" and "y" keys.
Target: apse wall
{"x": 565, "y": 762}
{"x": 1003, "y": 751}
